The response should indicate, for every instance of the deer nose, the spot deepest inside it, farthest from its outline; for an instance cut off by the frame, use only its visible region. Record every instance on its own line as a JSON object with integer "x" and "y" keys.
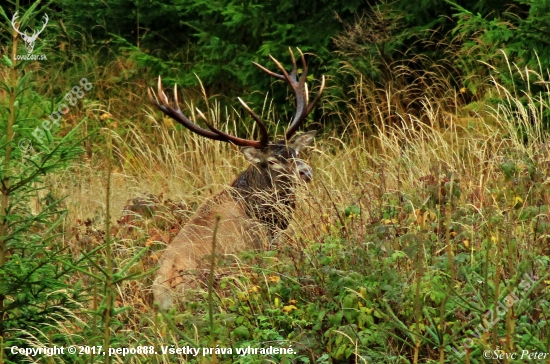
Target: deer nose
{"x": 306, "y": 174}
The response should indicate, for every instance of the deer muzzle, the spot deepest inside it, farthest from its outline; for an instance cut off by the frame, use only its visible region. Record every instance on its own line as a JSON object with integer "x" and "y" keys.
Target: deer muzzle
{"x": 304, "y": 171}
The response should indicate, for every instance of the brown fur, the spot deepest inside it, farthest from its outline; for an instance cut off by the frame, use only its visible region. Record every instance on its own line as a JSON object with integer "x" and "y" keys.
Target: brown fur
{"x": 256, "y": 206}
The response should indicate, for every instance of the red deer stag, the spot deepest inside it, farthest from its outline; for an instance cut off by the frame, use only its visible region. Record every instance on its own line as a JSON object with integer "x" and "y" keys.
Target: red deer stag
{"x": 260, "y": 201}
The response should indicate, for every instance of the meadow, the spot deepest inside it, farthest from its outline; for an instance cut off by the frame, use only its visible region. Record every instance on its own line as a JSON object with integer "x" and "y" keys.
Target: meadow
{"x": 422, "y": 238}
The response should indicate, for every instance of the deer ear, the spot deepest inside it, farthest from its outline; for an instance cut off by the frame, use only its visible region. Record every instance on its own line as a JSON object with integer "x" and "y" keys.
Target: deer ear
{"x": 253, "y": 155}
{"x": 303, "y": 140}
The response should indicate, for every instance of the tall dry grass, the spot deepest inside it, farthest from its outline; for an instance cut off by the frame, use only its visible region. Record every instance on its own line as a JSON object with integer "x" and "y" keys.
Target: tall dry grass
{"x": 370, "y": 156}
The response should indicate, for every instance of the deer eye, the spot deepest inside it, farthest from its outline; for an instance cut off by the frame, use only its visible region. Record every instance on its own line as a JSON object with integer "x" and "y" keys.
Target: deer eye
{"x": 272, "y": 162}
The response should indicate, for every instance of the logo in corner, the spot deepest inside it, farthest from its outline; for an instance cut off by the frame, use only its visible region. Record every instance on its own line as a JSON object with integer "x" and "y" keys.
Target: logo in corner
{"x": 29, "y": 39}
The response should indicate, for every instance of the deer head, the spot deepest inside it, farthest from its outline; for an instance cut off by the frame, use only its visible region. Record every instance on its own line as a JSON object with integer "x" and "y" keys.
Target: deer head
{"x": 274, "y": 164}
{"x": 29, "y": 39}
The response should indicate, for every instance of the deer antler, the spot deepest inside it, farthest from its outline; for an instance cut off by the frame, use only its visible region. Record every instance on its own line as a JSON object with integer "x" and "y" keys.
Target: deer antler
{"x": 215, "y": 134}
{"x": 303, "y": 107}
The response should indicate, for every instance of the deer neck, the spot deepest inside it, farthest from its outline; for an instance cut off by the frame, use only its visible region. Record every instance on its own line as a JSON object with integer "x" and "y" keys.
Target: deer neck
{"x": 272, "y": 202}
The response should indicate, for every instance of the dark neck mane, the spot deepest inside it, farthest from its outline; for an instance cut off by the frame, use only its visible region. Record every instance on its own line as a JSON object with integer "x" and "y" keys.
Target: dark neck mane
{"x": 271, "y": 203}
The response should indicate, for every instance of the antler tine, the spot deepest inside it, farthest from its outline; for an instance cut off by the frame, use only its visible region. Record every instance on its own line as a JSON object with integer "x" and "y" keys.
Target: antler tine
{"x": 264, "y": 135}
{"x": 176, "y": 114}
{"x": 207, "y": 122}
{"x": 303, "y": 107}
{"x": 273, "y": 74}
{"x": 300, "y": 94}
{"x": 161, "y": 94}
{"x": 282, "y": 68}
{"x": 312, "y": 105}
{"x": 294, "y": 72}
{"x": 264, "y": 140}
{"x": 299, "y": 86}
{"x": 176, "y": 100}
{"x": 214, "y": 134}
{"x": 303, "y": 78}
